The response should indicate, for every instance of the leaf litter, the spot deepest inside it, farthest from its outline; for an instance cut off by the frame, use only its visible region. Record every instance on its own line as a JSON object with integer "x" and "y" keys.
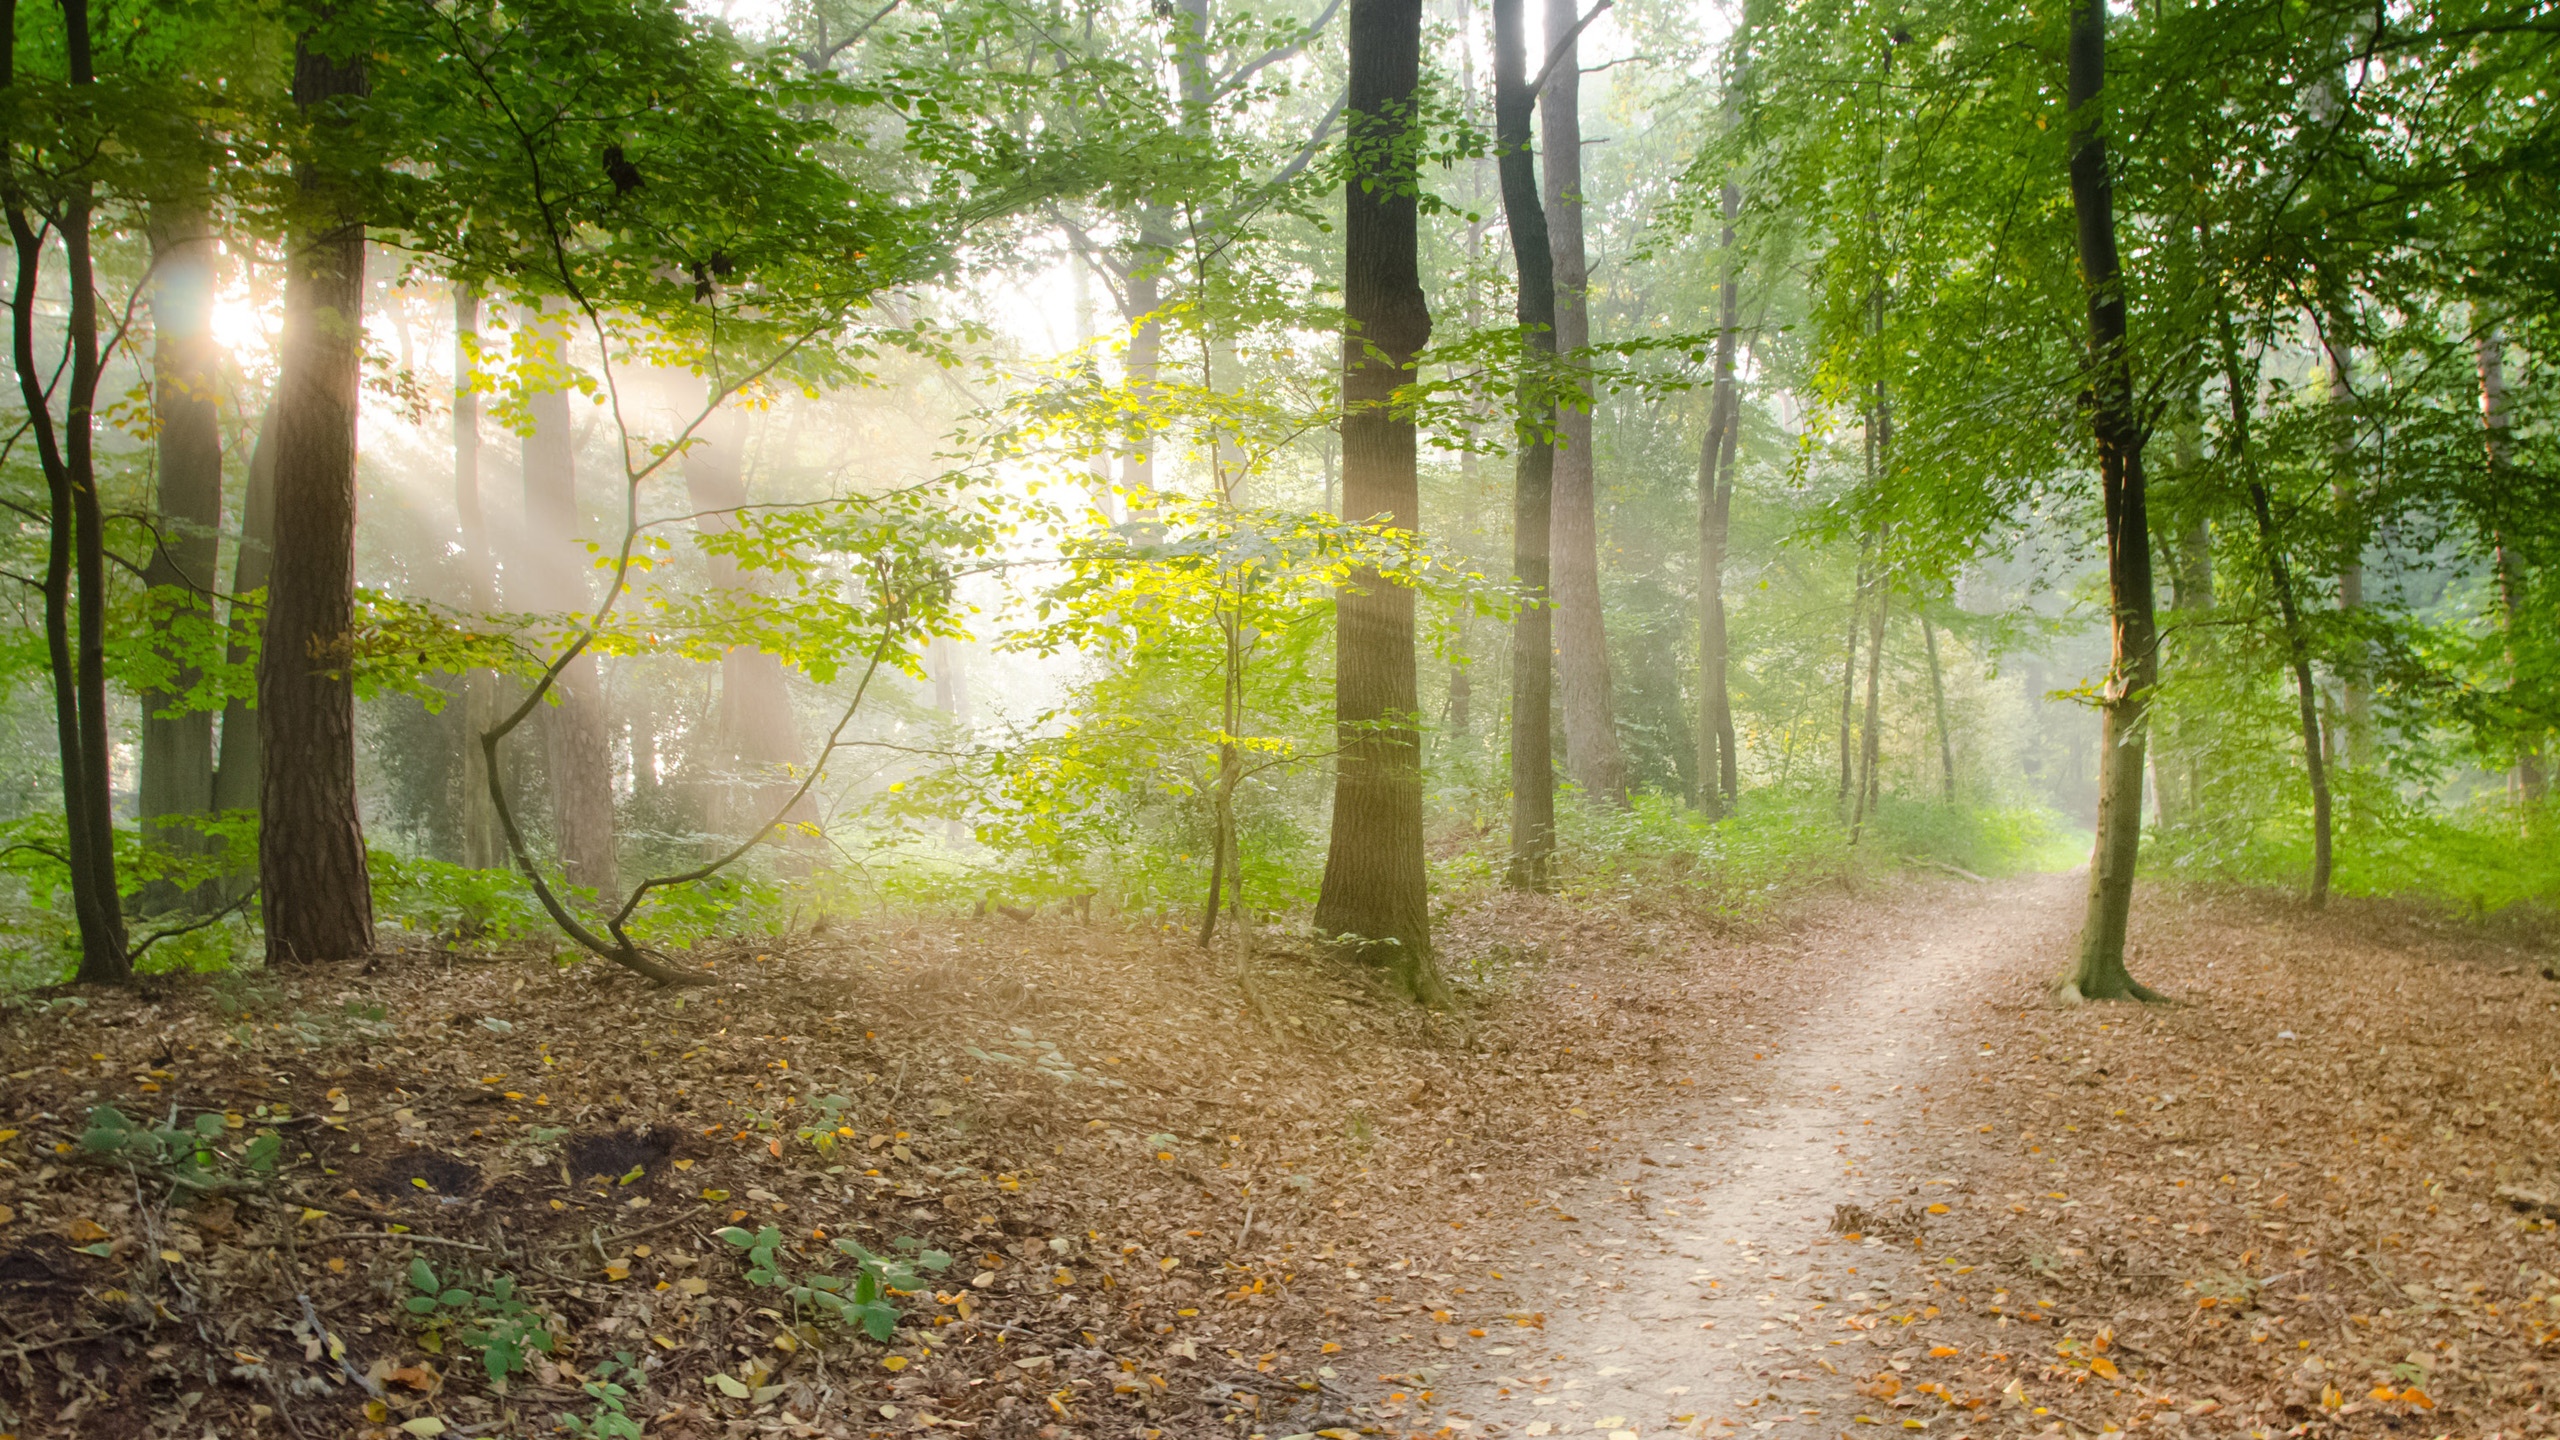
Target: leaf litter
{"x": 1154, "y": 1217}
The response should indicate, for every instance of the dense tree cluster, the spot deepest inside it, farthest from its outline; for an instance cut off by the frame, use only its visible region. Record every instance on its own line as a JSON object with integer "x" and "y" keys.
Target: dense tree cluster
{"x": 1856, "y": 366}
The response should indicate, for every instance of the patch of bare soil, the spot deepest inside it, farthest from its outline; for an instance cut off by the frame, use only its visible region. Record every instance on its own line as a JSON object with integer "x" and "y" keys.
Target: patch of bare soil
{"x": 461, "y": 1195}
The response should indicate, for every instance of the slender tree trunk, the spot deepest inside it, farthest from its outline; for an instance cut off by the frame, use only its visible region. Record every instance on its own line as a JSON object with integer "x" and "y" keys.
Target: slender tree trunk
{"x": 577, "y": 748}
{"x": 1849, "y": 684}
{"x": 2100, "y": 973}
{"x": 2354, "y": 685}
{"x": 1592, "y": 753}
{"x": 176, "y": 783}
{"x": 1871, "y": 733}
{"x": 1533, "y": 783}
{"x": 1719, "y": 769}
{"x": 1144, "y": 360}
{"x": 311, "y": 861}
{"x": 484, "y": 845}
{"x": 1938, "y": 702}
{"x": 238, "y": 778}
{"x": 2315, "y": 749}
{"x": 2489, "y": 351}
{"x": 75, "y": 564}
{"x": 1375, "y": 889}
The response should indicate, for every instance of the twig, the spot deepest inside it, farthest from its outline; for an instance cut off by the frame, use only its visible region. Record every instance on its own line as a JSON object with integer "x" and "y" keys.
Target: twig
{"x": 22, "y": 1350}
{"x": 413, "y": 1239}
{"x": 335, "y": 1347}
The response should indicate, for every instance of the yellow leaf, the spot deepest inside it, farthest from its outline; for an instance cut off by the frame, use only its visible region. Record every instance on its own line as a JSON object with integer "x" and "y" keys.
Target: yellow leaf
{"x": 85, "y": 1230}
{"x": 894, "y": 1362}
{"x": 1941, "y": 1352}
{"x": 1938, "y": 1209}
{"x": 2103, "y": 1366}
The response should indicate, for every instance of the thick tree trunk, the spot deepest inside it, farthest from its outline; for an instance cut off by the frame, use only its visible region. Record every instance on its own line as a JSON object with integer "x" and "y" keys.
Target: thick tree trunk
{"x": 311, "y": 861}
{"x": 577, "y": 749}
{"x": 176, "y": 783}
{"x": 2100, "y": 973}
{"x": 1592, "y": 753}
{"x": 1375, "y": 890}
{"x": 2489, "y": 349}
{"x": 484, "y": 844}
{"x": 1719, "y": 769}
{"x": 1533, "y": 781}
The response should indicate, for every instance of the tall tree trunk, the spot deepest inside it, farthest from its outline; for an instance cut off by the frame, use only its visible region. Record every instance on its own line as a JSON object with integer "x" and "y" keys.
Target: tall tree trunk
{"x": 1533, "y": 780}
{"x": 577, "y": 747}
{"x": 1849, "y": 684}
{"x": 75, "y": 557}
{"x": 1938, "y": 702}
{"x": 2489, "y": 352}
{"x": 238, "y": 777}
{"x": 484, "y": 844}
{"x": 1719, "y": 769}
{"x": 759, "y": 740}
{"x": 2175, "y": 763}
{"x": 1592, "y": 753}
{"x": 1871, "y": 732}
{"x": 1375, "y": 890}
{"x": 2117, "y": 428}
{"x": 1144, "y": 360}
{"x": 2355, "y": 686}
{"x": 311, "y": 861}
{"x": 176, "y": 783}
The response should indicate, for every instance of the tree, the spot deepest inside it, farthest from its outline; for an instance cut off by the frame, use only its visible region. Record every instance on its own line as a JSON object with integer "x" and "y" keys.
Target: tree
{"x": 1533, "y": 780}
{"x": 555, "y": 577}
{"x": 1719, "y": 768}
{"x": 313, "y": 888}
{"x": 2119, "y": 431}
{"x": 1592, "y": 753}
{"x": 176, "y": 781}
{"x": 56, "y": 190}
{"x": 1375, "y": 891}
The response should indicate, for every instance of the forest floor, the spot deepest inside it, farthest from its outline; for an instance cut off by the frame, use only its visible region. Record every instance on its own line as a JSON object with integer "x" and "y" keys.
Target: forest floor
{"x": 1843, "y": 1166}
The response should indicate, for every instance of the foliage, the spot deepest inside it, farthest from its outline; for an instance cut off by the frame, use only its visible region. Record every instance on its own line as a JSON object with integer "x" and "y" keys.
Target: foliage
{"x": 200, "y": 1157}
{"x": 487, "y": 1317}
{"x": 866, "y": 1300}
{"x": 611, "y": 1417}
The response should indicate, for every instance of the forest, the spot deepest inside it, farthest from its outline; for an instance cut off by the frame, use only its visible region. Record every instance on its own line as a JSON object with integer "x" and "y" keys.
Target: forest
{"x": 1059, "y": 718}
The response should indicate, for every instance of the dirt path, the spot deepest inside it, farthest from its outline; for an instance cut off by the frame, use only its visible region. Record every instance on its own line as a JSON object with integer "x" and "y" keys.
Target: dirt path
{"x": 1705, "y": 1287}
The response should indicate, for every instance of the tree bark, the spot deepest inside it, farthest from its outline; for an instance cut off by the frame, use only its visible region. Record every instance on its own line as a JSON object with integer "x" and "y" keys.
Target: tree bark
{"x": 2355, "y": 699}
{"x": 1719, "y": 769}
{"x": 484, "y": 844}
{"x": 74, "y": 584}
{"x": 1533, "y": 781}
{"x": 2489, "y": 354}
{"x": 1938, "y": 701}
{"x": 576, "y": 746}
{"x": 1849, "y": 685}
{"x": 1375, "y": 891}
{"x": 311, "y": 862}
{"x": 2315, "y": 750}
{"x": 759, "y": 741}
{"x": 176, "y": 782}
{"x": 237, "y": 778}
{"x": 2118, "y": 431}
{"x": 1592, "y": 754}
{"x": 1871, "y": 732}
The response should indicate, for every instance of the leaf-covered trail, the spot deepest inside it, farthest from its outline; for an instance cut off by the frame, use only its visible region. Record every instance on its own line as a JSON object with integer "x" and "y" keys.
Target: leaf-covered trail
{"x": 1700, "y": 1272}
